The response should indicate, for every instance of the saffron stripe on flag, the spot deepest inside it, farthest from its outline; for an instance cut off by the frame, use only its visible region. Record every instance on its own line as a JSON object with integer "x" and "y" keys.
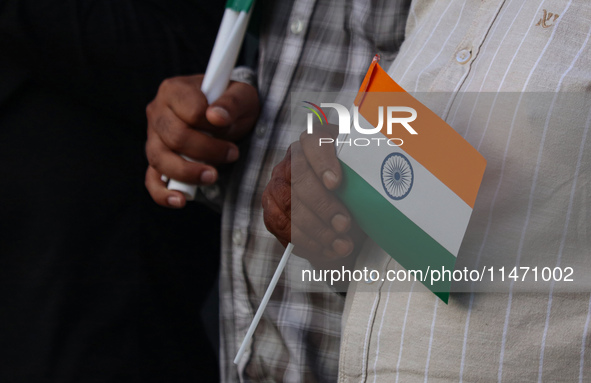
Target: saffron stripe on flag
{"x": 461, "y": 168}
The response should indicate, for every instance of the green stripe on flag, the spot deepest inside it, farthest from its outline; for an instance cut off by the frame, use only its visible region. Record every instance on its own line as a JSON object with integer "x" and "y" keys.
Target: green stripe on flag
{"x": 397, "y": 235}
{"x": 239, "y": 5}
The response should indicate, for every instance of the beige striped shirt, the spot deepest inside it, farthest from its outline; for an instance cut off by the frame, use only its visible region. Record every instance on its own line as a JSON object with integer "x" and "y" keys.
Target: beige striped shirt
{"x": 533, "y": 208}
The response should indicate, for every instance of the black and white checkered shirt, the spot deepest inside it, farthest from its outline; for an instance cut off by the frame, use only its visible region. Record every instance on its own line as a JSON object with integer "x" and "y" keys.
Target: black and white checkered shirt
{"x": 307, "y": 45}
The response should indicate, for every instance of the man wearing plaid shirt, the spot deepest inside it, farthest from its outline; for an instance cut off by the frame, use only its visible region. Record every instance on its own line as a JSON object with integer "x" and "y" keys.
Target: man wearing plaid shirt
{"x": 315, "y": 46}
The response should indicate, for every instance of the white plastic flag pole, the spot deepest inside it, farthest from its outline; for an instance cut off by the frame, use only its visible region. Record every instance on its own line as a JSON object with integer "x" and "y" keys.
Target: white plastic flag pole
{"x": 223, "y": 59}
{"x": 219, "y": 68}
{"x": 266, "y": 297}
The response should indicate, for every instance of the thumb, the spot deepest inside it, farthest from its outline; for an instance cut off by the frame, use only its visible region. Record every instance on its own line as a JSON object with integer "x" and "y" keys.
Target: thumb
{"x": 239, "y": 100}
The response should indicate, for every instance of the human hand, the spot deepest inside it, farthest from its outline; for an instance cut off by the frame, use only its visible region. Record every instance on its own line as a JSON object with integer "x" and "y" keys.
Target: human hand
{"x": 180, "y": 122}
{"x": 300, "y": 206}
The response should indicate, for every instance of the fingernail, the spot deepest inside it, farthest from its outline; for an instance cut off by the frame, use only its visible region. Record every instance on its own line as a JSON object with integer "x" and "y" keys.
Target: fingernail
{"x": 232, "y": 154}
{"x": 223, "y": 113}
{"x": 340, "y": 223}
{"x": 329, "y": 179}
{"x": 342, "y": 247}
{"x": 174, "y": 201}
{"x": 208, "y": 177}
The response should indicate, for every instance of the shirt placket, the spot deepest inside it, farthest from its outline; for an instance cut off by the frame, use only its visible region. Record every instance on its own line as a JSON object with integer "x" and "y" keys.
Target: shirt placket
{"x": 264, "y": 136}
{"x": 451, "y": 77}
{"x": 454, "y": 74}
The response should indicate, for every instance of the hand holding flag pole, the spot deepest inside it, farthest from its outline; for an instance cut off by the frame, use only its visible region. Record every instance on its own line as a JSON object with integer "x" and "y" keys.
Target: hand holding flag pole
{"x": 377, "y": 212}
{"x": 219, "y": 68}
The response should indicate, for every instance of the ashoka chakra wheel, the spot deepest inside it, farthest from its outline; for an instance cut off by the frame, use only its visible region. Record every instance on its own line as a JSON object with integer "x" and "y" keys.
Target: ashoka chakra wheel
{"x": 397, "y": 176}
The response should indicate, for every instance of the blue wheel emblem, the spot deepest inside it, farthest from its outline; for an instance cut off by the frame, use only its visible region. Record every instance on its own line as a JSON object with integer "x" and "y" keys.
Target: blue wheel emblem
{"x": 397, "y": 176}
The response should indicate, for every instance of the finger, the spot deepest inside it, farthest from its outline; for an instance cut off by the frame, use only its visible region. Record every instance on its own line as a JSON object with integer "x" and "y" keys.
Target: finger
{"x": 277, "y": 221}
{"x": 322, "y": 157}
{"x": 159, "y": 193}
{"x": 236, "y": 109}
{"x": 306, "y": 247}
{"x": 165, "y": 161}
{"x": 183, "y": 96}
{"x": 276, "y": 201}
{"x": 315, "y": 230}
{"x": 182, "y": 139}
{"x": 238, "y": 100}
{"x": 308, "y": 189}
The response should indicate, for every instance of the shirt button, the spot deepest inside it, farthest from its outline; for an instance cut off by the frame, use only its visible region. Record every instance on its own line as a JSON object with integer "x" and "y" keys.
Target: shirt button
{"x": 297, "y": 27}
{"x": 463, "y": 56}
{"x": 260, "y": 131}
{"x": 238, "y": 237}
{"x": 372, "y": 277}
{"x": 211, "y": 192}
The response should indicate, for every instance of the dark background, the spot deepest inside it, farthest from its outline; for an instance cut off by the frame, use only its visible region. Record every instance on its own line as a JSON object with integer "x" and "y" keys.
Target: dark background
{"x": 97, "y": 283}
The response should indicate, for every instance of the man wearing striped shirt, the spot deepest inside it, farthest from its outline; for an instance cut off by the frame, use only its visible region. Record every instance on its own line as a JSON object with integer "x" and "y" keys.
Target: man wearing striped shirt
{"x": 532, "y": 126}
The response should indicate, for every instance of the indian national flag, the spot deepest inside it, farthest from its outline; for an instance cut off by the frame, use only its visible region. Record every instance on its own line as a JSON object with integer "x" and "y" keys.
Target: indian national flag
{"x": 413, "y": 200}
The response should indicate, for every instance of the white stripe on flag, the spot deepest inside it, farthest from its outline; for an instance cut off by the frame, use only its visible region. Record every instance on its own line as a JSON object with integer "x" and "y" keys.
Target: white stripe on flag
{"x": 430, "y": 204}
